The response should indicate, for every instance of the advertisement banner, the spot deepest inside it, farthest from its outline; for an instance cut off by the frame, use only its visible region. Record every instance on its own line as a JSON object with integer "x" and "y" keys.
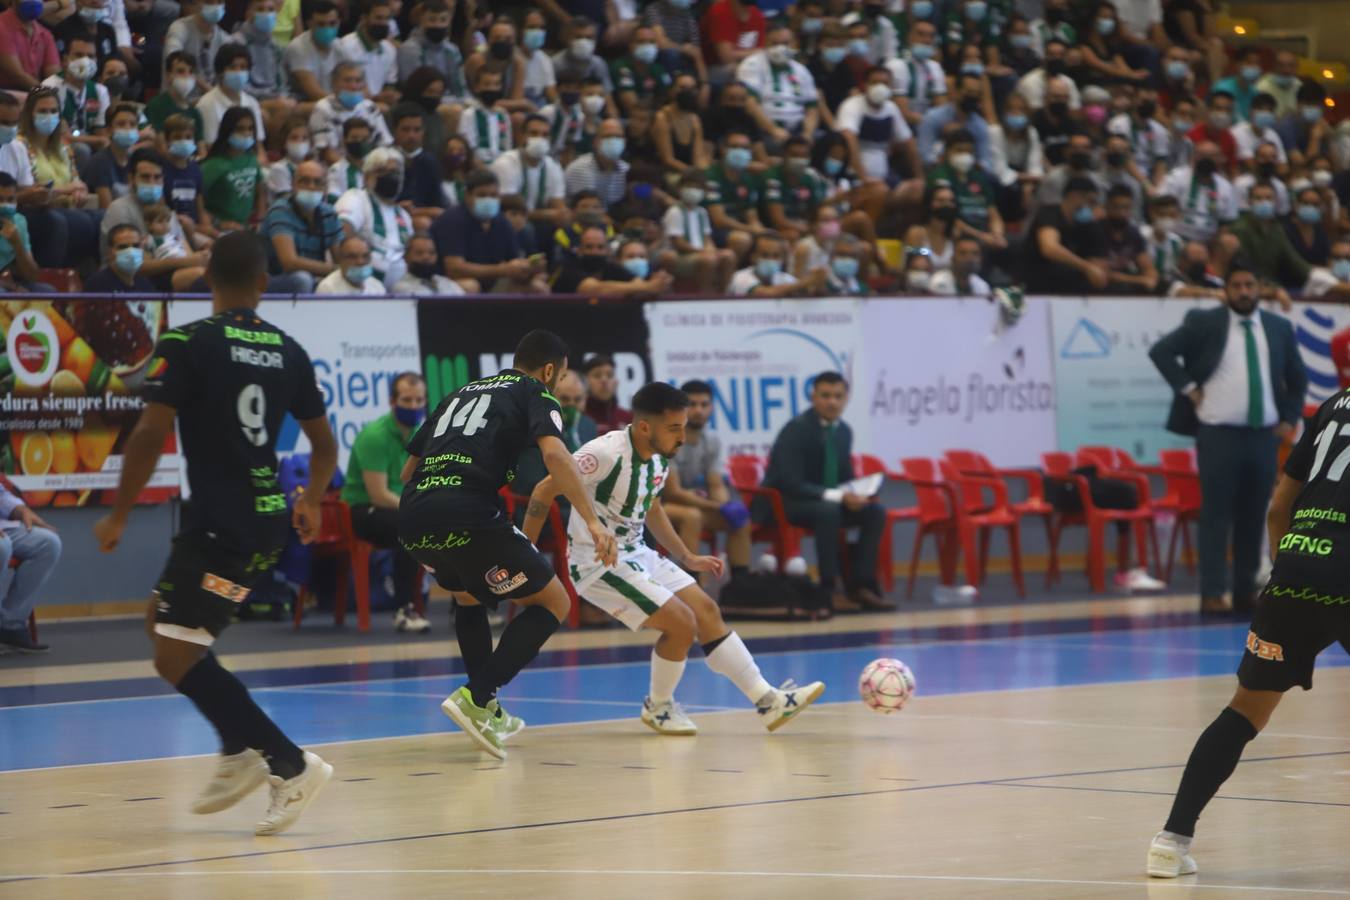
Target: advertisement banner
{"x": 69, "y": 381}
{"x": 463, "y": 340}
{"x": 1315, "y": 326}
{"x": 358, "y": 348}
{"x": 760, "y": 356}
{"x": 944, "y": 374}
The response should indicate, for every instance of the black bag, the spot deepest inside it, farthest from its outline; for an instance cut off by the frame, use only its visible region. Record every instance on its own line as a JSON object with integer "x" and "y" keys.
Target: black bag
{"x": 1107, "y": 493}
{"x": 770, "y": 596}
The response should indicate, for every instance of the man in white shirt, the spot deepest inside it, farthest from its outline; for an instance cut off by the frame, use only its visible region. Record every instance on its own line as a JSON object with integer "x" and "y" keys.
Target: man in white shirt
{"x": 353, "y": 274}
{"x": 232, "y": 65}
{"x": 14, "y": 159}
{"x": 1264, "y": 171}
{"x": 1208, "y": 200}
{"x": 310, "y": 58}
{"x": 369, "y": 45}
{"x": 963, "y": 278}
{"x": 689, "y": 236}
{"x": 767, "y": 275}
{"x": 199, "y": 35}
{"x": 348, "y": 100}
{"x": 535, "y": 176}
{"x": 1150, "y": 141}
{"x": 485, "y": 124}
{"x": 917, "y": 81}
{"x": 872, "y": 126}
{"x": 1257, "y": 129}
{"x": 782, "y": 90}
{"x": 373, "y": 214}
{"x": 1032, "y": 85}
{"x": 424, "y": 276}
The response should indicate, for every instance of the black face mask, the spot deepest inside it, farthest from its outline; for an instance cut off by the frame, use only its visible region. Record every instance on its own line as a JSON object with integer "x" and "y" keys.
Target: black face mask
{"x": 378, "y": 32}
{"x": 1195, "y": 271}
{"x": 1116, "y": 160}
{"x": 117, "y": 84}
{"x": 489, "y": 98}
{"x": 357, "y": 149}
{"x": 872, "y": 11}
{"x": 1054, "y": 67}
{"x": 422, "y": 270}
{"x": 388, "y": 186}
{"x": 1079, "y": 159}
{"x": 591, "y": 263}
{"x": 429, "y": 103}
{"x": 970, "y": 104}
{"x": 1265, "y": 169}
{"x": 569, "y": 98}
{"x": 501, "y": 49}
{"x": 1054, "y": 15}
{"x": 435, "y": 35}
{"x": 1147, "y": 109}
{"x": 1058, "y": 109}
{"x": 1205, "y": 168}
{"x": 945, "y": 213}
{"x": 686, "y": 100}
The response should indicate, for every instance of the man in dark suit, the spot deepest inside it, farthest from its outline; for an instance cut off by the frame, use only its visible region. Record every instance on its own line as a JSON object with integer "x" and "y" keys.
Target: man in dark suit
{"x": 809, "y": 461}
{"x": 1239, "y": 385}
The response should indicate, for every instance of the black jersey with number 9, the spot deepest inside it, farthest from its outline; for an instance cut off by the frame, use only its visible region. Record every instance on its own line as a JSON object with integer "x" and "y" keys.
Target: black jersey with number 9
{"x": 469, "y": 445}
{"x": 232, "y": 379}
{"x": 1314, "y": 549}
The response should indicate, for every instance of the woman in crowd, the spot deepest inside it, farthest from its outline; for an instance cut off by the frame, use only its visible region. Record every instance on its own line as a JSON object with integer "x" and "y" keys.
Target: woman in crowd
{"x": 64, "y": 231}
{"x": 231, "y": 176}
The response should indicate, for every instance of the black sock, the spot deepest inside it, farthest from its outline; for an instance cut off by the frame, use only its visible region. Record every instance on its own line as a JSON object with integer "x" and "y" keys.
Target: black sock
{"x": 519, "y": 644}
{"x": 740, "y": 571}
{"x": 475, "y": 637}
{"x": 712, "y": 645}
{"x": 225, "y": 701}
{"x": 230, "y": 741}
{"x": 1214, "y": 758}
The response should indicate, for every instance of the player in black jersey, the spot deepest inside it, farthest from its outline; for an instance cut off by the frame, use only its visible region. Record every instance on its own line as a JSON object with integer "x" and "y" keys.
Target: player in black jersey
{"x": 1303, "y": 610}
{"x": 452, "y": 519}
{"x": 229, "y": 380}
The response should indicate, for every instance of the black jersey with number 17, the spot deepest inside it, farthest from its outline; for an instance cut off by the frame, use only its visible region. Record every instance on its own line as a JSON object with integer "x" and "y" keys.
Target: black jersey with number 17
{"x": 232, "y": 379}
{"x": 469, "y": 445}
{"x": 1313, "y": 552}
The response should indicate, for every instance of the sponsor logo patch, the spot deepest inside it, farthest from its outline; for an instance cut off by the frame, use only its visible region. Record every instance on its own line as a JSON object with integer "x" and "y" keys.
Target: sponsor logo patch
{"x": 499, "y": 581}
{"x": 223, "y": 587}
{"x": 587, "y": 463}
{"x": 1264, "y": 649}
{"x": 557, "y": 419}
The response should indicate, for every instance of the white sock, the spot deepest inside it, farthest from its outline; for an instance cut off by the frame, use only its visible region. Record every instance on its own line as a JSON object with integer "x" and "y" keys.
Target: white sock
{"x": 731, "y": 659}
{"x": 666, "y": 674}
{"x": 1179, "y": 839}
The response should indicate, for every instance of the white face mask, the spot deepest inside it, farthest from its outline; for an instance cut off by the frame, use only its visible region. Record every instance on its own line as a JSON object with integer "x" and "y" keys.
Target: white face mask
{"x": 878, "y": 94}
{"x": 82, "y": 68}
{"x": 918, "y": 281}
{"x": 536, "y": 147}
{"x": 582, "y": 48}
{"x": 962, "y": 162}
{"x": 1166, "y": 225}
{"x": 1321, "y": 178}
{"x": 297, "y": 150}
{"x": 779, "y": 54}
{"x": 593, "y": 104}
{"x": 184, "y": 85}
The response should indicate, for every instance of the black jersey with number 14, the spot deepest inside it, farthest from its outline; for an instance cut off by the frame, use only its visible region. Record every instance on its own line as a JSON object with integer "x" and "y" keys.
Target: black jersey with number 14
{"x": 469, "y": 446}
{"x": 232, "y": 378}
{"x": 1313, "y": 552}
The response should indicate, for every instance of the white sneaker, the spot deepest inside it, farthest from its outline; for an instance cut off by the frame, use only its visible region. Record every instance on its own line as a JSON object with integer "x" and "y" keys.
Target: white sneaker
{"x": 1168, "y": 859}
{"x": 1138, "y": 579}
{"x": 407, "y": 619}
{"x": 237, "y": 776}
{"x": 667, "y": 718}
{"x": 290, "y": 796}
{"x": 782, "y": 703}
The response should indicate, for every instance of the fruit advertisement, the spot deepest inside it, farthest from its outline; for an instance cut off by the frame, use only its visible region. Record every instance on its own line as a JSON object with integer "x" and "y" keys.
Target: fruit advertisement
{"x": 70, "y": 380}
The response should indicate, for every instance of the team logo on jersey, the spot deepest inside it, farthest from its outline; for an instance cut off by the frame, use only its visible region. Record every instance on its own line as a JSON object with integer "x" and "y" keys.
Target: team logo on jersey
{"x": 157, "y": 368}
{"x": 223, "y": 587}
{"x": 1264, "y": 649}
{"x": 587, "y": 463}
{"x": 557, "y": 419}
{"x": 499, "y": 581}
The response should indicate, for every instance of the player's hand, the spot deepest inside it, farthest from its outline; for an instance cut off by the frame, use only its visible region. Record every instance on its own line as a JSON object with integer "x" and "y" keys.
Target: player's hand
{"x": 30, "y": 519}
{"x": 108, "y": 532}
{"x": 853, "y": 502}
{"x": 307, "y": 517}
{"x": 711, "y": 564}
{"x": 606, "y": 547}
{"x": 9, "y": 231}
{"x": 1197, "y": 396}
{"x": 1097, "y": 276}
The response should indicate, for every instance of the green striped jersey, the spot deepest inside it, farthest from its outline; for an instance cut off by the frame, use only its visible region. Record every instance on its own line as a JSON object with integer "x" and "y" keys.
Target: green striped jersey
{"x": 622, "y": 484}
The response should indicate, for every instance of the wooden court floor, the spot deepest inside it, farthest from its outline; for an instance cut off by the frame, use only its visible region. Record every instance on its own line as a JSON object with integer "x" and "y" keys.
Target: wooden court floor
{"x": 1026, "y": 794}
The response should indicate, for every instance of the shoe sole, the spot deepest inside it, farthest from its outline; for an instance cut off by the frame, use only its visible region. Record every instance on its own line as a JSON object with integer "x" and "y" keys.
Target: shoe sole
{"x": 801, "y": 705}
{"x": 245, "y": 788}
{"x": 1173, "y": 867}
{"x": 26, "y": 651}
{"x": 654, "y": 727}
{"x": 466, "y": 725}
{"x": 317, "y": 785}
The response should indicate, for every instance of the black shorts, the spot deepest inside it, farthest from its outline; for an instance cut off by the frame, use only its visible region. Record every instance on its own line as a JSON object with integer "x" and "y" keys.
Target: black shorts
{"x": 203, "y": 584}
{"x": 493, "y": 564}
{"x": 1291, "y": 626}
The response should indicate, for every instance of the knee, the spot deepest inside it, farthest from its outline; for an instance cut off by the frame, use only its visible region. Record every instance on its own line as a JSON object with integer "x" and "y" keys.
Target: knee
{"x": 558, "y": 602}
{"x": 874, "y": 514}
{"x": 48, "y": 542}
{"x": 681, "y": 623}
{"x": 828, "y": 518}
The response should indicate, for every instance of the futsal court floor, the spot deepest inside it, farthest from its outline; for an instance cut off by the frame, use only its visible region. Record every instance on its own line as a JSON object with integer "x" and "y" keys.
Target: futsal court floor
{"x": 1037, "y": 760}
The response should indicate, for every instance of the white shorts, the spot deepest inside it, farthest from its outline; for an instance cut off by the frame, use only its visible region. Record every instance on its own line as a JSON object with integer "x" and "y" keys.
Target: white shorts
{"x": 635, "y": 589}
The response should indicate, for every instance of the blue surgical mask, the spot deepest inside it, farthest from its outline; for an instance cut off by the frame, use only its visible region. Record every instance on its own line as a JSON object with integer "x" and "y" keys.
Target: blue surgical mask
{"x": 213, "y": 12}
{"x": 1310, "y": 114}
{"x": 129, "y": 259}
{"x": 149, "y": 193}
{"x": 976, "y": 10}
{"x": 921, "y": 9}
{"x": 1264, "y": 209}
{"x": 265, "y": 22}
{"x": 357, "y": 275}
{"x": 766, "y": 269}
{"x": 125, "y": 138}
{"x": 1082, "y": 215}
{"x": 638, "y": 266}
{"x": 1309, "y": 214}
{"x": 1015, "y": 121}
{"x": 860, "y": 47}
{"x": 1177, "y": 70}
{"x": 1251, "y": 73}
{"x": 972, "y": 68}
{"x": 1020, "y": 41}
{"x": 1106, "y": 26}
{"x": 845, "y": 267}
{"x": 812, "y": 26}
{"x": 308, "y": 200}
{"x": 833, "y": 166}
{"x": 487, "y": 207}
{"x": 46, "y": 123}
{"x": 611, "y": 147}
{"x": 350, "y": 99}
{"x": 324, "y": 35}
{"x": 645, "y": 53}
{"x": 737, "y": 158}
{"x": 921, "y": 52}
{"x": 7, "y": 210}
{"x": 534, "y": 38}
{"x": 8, "y": 133}
{"x": 1263, "y": 119}
{"x": 833, "y": 55}
{"x": 409, "y": 418}
{"x": 1341, "y": 269}
{"x": 235, "y": 79}
{"x": 241, "y": 142}
{"x": 183, "y": 149}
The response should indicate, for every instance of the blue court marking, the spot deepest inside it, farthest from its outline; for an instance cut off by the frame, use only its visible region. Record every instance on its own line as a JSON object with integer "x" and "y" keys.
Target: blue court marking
{"x": 167, "y": 725}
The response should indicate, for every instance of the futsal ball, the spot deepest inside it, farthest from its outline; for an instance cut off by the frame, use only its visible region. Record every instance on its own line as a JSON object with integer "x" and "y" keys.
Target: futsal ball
{"x": 886, "y": 685}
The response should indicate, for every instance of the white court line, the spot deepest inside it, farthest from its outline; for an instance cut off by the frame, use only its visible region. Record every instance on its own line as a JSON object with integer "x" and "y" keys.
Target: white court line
{"x": 694, "y": 873}
{"x": 517, "y": 699}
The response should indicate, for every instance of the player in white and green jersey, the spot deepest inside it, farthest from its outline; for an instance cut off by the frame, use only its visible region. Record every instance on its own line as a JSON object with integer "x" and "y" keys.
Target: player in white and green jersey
{"x": 624, "y": 471}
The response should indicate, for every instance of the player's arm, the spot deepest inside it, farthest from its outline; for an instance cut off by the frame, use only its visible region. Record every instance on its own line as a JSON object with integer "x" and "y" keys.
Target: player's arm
{"x": 140, "y": 455}
{"x": 1281, "y": 511}
{"x": 664, "y": 532}
{"x": 323, "y": 457}
{"x": 563, "y": 470}
{"x": 409, "y": 468}
{"x": 536, "y": 512}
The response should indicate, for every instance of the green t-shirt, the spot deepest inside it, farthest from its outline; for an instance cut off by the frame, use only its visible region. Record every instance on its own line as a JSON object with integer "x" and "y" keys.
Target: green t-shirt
{"x": 230, "y": 186}
{"x": 7, "y": 252}
{"x": 975, "y": 194}
{"x": 378, "y": 448}
{"x": 799, "y": 199}
{"x": 161, "y": 106}
{"x": 735, "y": 197}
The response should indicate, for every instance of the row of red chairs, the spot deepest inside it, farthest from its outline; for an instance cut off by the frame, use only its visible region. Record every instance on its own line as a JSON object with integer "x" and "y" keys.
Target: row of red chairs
{"x": 963, "y": 498}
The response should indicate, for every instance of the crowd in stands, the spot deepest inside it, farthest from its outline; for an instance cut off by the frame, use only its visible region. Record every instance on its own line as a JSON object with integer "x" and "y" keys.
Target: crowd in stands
{"x": 643, "y": 147}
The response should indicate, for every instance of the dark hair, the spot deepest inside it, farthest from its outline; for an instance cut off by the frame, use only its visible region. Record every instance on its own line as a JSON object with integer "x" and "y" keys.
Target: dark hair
{"x": 1311, "y": 92}
{"x": 405, "y": 111}
{"x": 1263, "y": 100}
{"x": 178, "y": 56}
{"x": 539, "y": 348}
{"x": 1080, "y": 184}
{"x": 479, "y": 178}
{"x": 238, "y": 260}
{"x": 120, "y": 108}
{"x": 534, "y": 117}
{"x": 582, "y": 195}
{"x": 417, "y": 82}
{"x": 84, "y": 37}
{"x": 399, "y": 379}
{"x": 1239, "y": 264}
{"x": 960, "y": 136}
{"x": 434, "y": 6}
{"x": 322, "y": 8}
{"x": 354, "y": 123}
{"x": 595, "y": 361}
{"x": 1222, "y": 93}
{"x": 227, "y": 54}
{"x": 118, "y": 229}
{"x": 228, "y": 122}
{"x": 1120, "y": 190}
{"x": 8, "y": 99}
{"x": 659, "y": 398}
{"x": 145, "y": 154}
{"x": 7, "y": 180}
{"x": 829, "y": 377}
{"x": 695, "y": 386}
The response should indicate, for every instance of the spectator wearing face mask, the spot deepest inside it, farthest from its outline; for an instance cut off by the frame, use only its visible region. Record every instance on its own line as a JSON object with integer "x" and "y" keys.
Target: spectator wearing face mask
{"x": 90, "y": 17}
{"x": 18, "y": 270}
{"x": 1018, "y": 50}
{"x": 1106, "y": 44}
{"x": 486, "y": 123}
{"x": 782, "y": 91}
{"x": 1184, "y": 113}
{"x": 529, "y": 172}
{"x": 874, "y": 129}
{"x": 1282, "y": 83}
{"x": 1178, "y": 77}
{"x": 767, "y": 275}
{"x": 429, "y": 44}
{"x": 917, "y": 80}
{"x": 732, "y": 30}
{"x": 963, "y": 278}
{"x": 1076, "y": 162}
{"x": 593, "y": 272}
{"x": 578, "y": 58}
{"x": 82, "y": 100}
{"x": 199, "y": 35}
{"x": 311, "y": 58}
{"x": 266, "y": 82}
{"x": 369, "y": 47}
{"x": 965, "y": 113}
{"x": 121, "y": 273}
{"x": 1257, "y": 130}
{"x": 793, "y": 191}
{"x": 1242, "y": 83}
{"x": 1265, "y": 244}
{"x": 1207, "y": 198}
{"x": 1333, "y": 283}
{"x": 345, "y": 173}
{"x": 603, "y": 170}
{"x": 1163, "y": 243}
{"x": 835, "y": 78}
{"x": 1265, "y": 170}
{"x": 971, "y": 23}
{"x": 1119, "y": 170}
{"x": 424, "y": 277}
{"x": 348, "y": 101}
{"x": 1018, "y": 161}
{"x": 1306, "y": 228}
{"x": 1035, "y": 85}
{"x": 353, "y": 274}
{"x": 934, "y": 234}
{"x": 916, "y": 271}
{"x": 977, "y": 214}
{"x": 1128, "y": 264}
{"x": 677, "y": 129}
{"x": 1193, "y": 279}
{"x": 1150, "y": 140}
{"x": 302, "y": 229}
{"x": 1305, "y": 129}
{"x": 474, "y": 240}
{"x": 374, "y": 215}
{"x": 1055, "y": 122}
{"x": 231, "y": 91}
{"x": 1217, "y": 129}
{"x": 1067, "y": 246}
{"x": 692, "y": 253}
{"x": 845, "y": 268}
{"x": 639, "y": 79}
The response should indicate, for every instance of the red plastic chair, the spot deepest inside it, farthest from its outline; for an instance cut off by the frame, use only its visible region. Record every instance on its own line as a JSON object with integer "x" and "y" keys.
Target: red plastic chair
{"x": 969, "y": 525}
{"x": 1183, "y": 501}
{"x": 746, "y": 473}
{"x": 66, "y": 281}
{"x": 336, "y": 540}
{"x": 1112, "y": 462}
{"x": 1059, "y": 465}
{"x": 939, "y": 507}
{"x": 553, "y": 541}
{"x": 865, "y": 464}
